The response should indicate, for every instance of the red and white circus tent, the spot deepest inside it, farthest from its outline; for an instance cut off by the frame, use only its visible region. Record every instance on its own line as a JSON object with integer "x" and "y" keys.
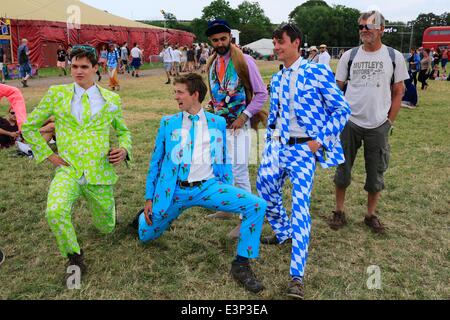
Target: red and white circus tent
{"x": 47, "y": 23}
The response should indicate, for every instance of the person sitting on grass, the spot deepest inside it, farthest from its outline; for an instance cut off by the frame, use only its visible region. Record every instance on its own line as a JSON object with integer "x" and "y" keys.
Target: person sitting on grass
{"x": 11, "y": 125}
{"x": 10, "y": 134}
{"x": 9, "y": 131}
{"x": 410, "y": 98}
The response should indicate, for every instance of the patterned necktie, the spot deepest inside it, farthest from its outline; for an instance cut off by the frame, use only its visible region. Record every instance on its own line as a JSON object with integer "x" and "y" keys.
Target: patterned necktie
{"x": 284, "y": 112}
{"x": 221, "y": 72}
{"x": 188, "y": 150}
{"x": 86, "y": 110}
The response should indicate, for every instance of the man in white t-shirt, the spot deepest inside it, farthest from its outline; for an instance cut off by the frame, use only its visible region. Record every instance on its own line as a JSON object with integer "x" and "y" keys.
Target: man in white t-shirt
{"x": 136, "y": 62}
{"x": 176, "y": 61}
{"x": 374, "y": 92}
{"x": 324, "y": 56}
{"x": 167, "y": 56}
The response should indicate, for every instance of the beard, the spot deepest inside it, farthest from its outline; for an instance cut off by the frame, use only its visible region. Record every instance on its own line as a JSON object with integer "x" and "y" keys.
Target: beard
{"x": 223, "y": 50}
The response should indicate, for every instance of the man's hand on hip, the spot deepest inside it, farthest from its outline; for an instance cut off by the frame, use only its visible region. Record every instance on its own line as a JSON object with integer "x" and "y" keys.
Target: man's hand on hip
{"x": 314, "y": 146}
{"x": 57, "y": 161}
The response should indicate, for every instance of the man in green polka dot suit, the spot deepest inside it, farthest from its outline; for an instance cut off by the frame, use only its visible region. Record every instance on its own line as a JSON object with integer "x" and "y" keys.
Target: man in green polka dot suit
{"x": 84, "y": 114}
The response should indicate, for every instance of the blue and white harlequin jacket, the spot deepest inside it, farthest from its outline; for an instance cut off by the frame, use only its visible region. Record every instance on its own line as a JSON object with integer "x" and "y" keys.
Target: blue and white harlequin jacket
{"x": 320, "y": 107}
{"x": 166, "y": 159}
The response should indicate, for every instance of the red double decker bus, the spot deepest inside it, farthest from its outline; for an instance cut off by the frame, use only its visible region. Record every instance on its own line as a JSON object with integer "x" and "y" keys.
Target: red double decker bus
{"x": 436, "y": 37}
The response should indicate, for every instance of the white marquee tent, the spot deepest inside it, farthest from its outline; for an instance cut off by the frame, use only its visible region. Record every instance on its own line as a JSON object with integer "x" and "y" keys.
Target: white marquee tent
{"x": 262, "y": 46}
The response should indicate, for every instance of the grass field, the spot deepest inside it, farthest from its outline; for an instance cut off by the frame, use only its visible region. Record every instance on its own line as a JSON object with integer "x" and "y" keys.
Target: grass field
{"x": 192, "y": 260}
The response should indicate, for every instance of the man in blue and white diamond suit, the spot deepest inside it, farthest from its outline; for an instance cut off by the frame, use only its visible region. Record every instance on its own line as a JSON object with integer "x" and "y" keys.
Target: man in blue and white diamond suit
{"x": 189, "y": 168}
{"x": 307, "y": 114}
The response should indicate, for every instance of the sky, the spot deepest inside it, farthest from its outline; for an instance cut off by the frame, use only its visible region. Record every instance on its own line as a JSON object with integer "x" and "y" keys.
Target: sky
{"x": 277, "y": 10}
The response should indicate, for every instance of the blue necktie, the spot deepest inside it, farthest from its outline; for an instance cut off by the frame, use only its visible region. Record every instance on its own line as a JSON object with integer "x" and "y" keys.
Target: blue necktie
{"x": 284, "y": 112}
{"x": 188, "y": 150}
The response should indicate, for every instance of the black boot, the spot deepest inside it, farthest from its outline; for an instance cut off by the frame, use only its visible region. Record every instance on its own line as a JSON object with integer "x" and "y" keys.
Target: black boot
{"x": 242, "y": 273}
{"x": 77, "y": 260}
{"x": 135, "y": 223}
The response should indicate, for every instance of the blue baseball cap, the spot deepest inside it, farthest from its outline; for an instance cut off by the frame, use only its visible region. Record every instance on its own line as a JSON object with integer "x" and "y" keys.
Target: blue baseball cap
{"x": 217, "y": 26}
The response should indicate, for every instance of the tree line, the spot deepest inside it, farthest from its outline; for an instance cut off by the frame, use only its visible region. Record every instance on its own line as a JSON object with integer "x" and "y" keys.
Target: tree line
{"x": 336, "y": 25}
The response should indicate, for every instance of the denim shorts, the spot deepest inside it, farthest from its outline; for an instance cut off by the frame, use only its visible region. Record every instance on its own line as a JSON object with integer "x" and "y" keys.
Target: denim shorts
{"x": 167, "y": 66}
{"x": 24, "y": 70}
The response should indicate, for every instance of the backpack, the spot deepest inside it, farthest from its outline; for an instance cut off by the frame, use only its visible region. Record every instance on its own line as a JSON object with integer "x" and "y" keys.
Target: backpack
{"x": 352, "y": 57}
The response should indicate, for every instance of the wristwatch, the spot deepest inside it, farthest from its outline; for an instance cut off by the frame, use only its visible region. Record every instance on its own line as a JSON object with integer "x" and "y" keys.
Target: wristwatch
{"x": 245, "y": 115}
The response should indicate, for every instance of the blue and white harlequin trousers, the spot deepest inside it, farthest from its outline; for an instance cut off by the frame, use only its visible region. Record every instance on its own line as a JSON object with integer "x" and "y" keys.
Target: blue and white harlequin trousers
{"x": 298, "y": 163}
{"x": 213, "y": 195}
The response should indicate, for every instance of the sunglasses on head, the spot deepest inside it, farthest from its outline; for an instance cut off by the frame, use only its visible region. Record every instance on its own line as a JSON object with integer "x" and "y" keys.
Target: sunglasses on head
{"x": 290, "y": 26}
{"x": 368, "y": 26}
{"x": 86, "y": 48}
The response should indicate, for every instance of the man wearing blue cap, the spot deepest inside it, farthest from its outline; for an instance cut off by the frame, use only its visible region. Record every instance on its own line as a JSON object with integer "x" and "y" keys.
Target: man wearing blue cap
{"x": 238, "y": 94}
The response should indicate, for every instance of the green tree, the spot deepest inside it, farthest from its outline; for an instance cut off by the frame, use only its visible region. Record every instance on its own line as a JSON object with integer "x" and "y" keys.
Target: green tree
{"x": 335, "y": 26}
{"x": 199, "y": 27}
{"x": 400, "y": 37}
{"x": 221, "y": 9}
{"x": 171, "y": 20}
{"x": 253, "y": 22}
{"x": 251, "y": 12}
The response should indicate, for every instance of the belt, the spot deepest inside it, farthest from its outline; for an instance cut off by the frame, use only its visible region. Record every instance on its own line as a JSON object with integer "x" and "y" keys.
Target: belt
{"x": 295, "y": 140}
{"x": 186, "y": 184}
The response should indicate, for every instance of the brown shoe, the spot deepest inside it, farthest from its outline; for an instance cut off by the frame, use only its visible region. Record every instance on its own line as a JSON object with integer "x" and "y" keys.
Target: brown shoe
{"x": 375, "y": 224}
{"x": 296, "y": 290}
{"x": 273, "y": 240}
{"x": 220, "y": 215}
{"x": 338, "y": 220}
{"x": 234, "y": 234}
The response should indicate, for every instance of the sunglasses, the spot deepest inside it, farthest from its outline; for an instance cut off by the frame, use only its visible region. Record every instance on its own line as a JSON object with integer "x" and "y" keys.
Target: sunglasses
{"x": 290, "y": 26}
{"x": 86, "y": 48}
{"x": 368, "y": 26}
{"x": 12, "y": 113}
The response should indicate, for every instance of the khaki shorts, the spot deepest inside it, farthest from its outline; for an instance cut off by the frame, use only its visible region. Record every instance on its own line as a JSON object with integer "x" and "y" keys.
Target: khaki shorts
{"x": 376, "y": 155}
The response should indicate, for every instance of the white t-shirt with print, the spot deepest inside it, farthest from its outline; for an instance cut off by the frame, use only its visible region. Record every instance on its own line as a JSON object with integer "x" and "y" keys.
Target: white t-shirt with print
{"x": 369, "y": 89}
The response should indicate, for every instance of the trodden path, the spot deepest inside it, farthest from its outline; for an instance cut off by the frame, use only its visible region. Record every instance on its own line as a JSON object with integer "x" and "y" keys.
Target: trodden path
{"x": 49, "y": 81}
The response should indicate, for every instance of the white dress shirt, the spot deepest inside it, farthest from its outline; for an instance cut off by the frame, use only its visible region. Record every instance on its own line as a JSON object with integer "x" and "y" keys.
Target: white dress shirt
{"x": 294, "y": 129}
{"x": 96, "y": 101}
{"x": 201, "y": 166}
